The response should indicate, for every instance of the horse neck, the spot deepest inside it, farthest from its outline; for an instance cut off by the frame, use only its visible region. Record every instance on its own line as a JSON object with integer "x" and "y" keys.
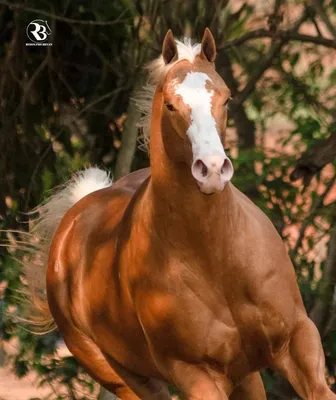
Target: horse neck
{"x": 174, "y": 192}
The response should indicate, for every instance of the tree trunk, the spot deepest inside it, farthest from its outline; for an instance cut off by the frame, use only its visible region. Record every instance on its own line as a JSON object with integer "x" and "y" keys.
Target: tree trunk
{"x": 2, "y": 353}
{"x": 2, "y": 350}
{"x": 320, "y": 313}
{"x": 245, "y": 127}
{"x": 129, "y": 138}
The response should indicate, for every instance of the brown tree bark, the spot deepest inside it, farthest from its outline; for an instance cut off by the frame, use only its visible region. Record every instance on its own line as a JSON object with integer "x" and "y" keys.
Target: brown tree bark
{"x": 321, "y": 154}
{"x": 245, "y": 126}
{"x": 129, "y": 138}
{"x": 2, "y": 354}
{"x": 321, "y": 311}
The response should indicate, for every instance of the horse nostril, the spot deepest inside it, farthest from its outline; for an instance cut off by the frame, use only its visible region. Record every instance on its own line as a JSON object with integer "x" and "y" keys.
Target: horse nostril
{"x": 227, "y": 169}
{"x": 199, "y": 170}
{"x": 225, "y": 165}
{"x": 199, "y": 164}
{"x": 204, "y": 169}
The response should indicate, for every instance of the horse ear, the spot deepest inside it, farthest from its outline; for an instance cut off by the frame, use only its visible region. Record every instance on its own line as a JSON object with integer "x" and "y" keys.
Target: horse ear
{"x": 208, "y": 46}
{"x": 169, "y": 48}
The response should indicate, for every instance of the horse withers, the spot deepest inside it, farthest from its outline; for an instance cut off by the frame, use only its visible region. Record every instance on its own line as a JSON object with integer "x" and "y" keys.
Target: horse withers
{"x": 171, "y": 274}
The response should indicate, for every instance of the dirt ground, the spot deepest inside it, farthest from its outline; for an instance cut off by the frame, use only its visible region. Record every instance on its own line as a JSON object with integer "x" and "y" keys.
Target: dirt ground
{"x": 13, "y": 388}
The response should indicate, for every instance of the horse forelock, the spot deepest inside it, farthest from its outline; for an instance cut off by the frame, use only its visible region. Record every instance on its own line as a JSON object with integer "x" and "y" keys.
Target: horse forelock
{"x": 186, "y": 51}
{"x": 157, "y": 70}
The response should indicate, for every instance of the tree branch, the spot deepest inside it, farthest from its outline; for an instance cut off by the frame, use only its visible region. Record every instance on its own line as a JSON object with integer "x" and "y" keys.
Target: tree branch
{"x": 284, "y": 35}
{"x": 324, "y": 17}
{"x": 257, "y": 73}
{"x": 312, "y": 161}
{"x": 265, "y": 63}
{"x": 65, "y": 19}
{"x": 98, "y": 52}
{"x": 303, "y": 88}
{"x": 312, "y": 214}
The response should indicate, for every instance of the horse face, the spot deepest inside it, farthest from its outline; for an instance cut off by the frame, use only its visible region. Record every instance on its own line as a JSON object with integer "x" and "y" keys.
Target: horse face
{"x": 195, "y": 99}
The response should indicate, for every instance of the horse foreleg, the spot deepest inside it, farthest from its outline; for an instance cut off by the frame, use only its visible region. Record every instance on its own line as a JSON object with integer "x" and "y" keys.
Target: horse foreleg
{"x": 251, "y": 388}
{"x": 111, "y": 375}
{"x": 195, "y": 383}
{"x": 303, "y": 363}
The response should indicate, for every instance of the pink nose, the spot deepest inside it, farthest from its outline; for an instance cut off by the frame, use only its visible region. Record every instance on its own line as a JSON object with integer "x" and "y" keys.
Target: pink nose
{"x": 212, "y": 172}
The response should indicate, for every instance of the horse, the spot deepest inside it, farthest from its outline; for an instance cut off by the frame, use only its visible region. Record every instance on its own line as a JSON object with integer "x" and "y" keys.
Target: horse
{"x": 171, "y": 275}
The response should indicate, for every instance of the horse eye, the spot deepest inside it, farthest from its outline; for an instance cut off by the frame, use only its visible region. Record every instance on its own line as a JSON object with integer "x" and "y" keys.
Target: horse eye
{"x": 170, "y": 107}
{"x": 227, "y": 101}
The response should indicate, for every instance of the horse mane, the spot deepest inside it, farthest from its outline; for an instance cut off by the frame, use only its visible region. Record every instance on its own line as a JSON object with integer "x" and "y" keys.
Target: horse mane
{"x": 157, "y": 71}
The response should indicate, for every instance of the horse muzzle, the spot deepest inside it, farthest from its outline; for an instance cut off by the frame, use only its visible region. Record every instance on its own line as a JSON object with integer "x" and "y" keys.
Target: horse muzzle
{"x": 212, "y": 172}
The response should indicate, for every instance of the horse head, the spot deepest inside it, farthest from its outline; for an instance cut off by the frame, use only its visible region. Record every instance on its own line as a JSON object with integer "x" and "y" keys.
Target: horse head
{"x": 194, "y": 111}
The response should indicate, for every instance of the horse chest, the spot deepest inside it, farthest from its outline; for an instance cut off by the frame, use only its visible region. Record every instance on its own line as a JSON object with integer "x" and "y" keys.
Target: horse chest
{"x": 188, "y": 322}
{"x": 192, "y": 318}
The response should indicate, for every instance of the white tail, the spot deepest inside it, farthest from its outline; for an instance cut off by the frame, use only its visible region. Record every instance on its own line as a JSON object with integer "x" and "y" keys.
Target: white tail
{"x": 53, "y": 210}
{"x": 35, "y": 243}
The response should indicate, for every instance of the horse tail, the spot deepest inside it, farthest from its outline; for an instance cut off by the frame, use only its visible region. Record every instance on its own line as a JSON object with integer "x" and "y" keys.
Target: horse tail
{"x": 33, "y": 246}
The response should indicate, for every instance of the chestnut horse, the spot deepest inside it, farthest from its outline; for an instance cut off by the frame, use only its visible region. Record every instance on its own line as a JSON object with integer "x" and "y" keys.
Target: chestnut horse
{"x": 172, "y": 275}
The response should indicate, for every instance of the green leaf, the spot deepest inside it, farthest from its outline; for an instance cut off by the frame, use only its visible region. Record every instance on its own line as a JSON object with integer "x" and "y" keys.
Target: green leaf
{"x": 21, "y": 368}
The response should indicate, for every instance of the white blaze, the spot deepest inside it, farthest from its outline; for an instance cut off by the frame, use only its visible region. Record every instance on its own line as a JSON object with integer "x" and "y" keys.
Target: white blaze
{"x": 202, "y": 132}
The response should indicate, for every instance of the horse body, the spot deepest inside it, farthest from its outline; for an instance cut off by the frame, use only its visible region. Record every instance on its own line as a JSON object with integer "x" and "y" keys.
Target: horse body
{"x": 186, "y": 289}
{"x": 152, "y": 282}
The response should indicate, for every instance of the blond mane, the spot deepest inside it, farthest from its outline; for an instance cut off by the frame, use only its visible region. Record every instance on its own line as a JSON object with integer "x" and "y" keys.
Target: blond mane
{"x": 157, "y": 70}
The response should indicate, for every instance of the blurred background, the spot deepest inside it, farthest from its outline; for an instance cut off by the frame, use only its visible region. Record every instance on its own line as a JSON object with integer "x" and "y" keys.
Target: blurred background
{"x": 69, "y": 105}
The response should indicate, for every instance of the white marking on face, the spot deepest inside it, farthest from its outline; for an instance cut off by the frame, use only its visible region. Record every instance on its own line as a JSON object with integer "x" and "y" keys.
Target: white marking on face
{"x": 202, "y": 132}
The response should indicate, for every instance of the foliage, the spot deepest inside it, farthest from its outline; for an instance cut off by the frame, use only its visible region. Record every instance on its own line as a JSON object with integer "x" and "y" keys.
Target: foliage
{"x": 65, "y": 106}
